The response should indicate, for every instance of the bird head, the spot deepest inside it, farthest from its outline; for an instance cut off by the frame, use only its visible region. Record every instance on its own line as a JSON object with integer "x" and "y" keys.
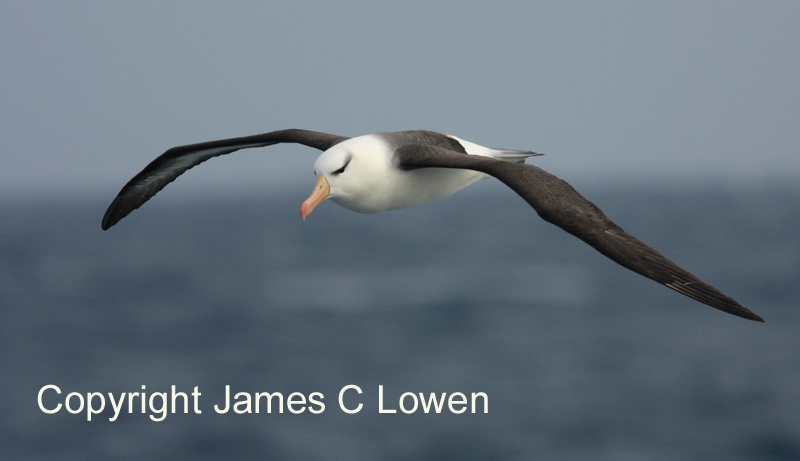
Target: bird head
{"x": 350, "y": 173}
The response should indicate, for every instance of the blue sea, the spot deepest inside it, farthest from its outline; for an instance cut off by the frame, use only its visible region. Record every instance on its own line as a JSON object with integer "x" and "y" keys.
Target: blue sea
{"x": 577, "y": 357}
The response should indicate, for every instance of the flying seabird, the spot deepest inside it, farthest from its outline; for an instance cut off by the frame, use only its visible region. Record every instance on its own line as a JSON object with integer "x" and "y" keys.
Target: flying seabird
{"x": 387, "y": 171}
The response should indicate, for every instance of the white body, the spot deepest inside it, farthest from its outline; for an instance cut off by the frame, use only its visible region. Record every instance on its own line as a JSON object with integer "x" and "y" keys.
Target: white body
{"x": 371, "y": 183}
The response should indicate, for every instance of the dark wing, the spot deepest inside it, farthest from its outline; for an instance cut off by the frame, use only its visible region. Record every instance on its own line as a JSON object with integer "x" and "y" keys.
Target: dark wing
{"x": 177, "y": 160}
{"x": 558, "y": 203}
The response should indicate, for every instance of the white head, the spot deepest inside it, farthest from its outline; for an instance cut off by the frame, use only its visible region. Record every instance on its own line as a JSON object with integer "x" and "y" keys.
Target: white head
{"x": 351, "y": 174}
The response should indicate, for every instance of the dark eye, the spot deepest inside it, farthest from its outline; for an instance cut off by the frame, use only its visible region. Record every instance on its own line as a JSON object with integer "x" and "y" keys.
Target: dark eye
{"x": 341, "y": 170}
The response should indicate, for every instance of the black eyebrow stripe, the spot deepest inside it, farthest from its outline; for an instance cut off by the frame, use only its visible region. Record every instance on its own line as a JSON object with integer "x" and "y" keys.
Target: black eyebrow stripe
{"x": 347, "y": 162}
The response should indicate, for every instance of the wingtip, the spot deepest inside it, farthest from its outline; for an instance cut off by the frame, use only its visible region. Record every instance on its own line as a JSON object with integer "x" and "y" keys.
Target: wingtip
{"x": 755, "y": 318}
{"x": 745, "y": 313}
{"x": 108, "y": 220}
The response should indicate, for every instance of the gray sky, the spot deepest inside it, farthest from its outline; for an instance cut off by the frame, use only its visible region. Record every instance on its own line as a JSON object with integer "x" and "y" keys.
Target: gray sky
{"x": 612, "y": 92}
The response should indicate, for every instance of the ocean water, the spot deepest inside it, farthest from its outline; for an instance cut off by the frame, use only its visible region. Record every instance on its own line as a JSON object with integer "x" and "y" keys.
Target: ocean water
{"x": 577, "y": 357}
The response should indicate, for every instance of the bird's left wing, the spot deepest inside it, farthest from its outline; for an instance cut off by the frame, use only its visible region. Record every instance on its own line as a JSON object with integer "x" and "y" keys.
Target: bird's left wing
{"x": 558, "y": 203}
{"x": 177, "y": 160}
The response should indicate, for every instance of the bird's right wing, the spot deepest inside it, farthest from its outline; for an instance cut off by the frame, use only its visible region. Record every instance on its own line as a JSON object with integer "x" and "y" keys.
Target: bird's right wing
{"x": 174, "y": 162}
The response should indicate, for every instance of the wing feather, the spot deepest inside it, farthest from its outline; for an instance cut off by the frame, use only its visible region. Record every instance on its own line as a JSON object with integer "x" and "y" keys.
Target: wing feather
{"x": 560, "y": 204}
{"x": 174, "y": 162}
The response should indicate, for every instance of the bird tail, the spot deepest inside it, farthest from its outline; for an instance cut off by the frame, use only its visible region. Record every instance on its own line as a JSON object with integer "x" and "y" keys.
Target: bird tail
{"x": 511, "y": 155}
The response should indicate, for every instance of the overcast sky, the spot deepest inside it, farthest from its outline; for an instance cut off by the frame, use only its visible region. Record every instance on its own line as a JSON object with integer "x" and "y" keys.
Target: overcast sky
{"x": 612, "y": 92}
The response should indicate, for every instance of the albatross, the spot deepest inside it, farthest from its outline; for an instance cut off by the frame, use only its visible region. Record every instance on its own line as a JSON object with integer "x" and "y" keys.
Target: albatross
{"x": 388, "y": 171}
